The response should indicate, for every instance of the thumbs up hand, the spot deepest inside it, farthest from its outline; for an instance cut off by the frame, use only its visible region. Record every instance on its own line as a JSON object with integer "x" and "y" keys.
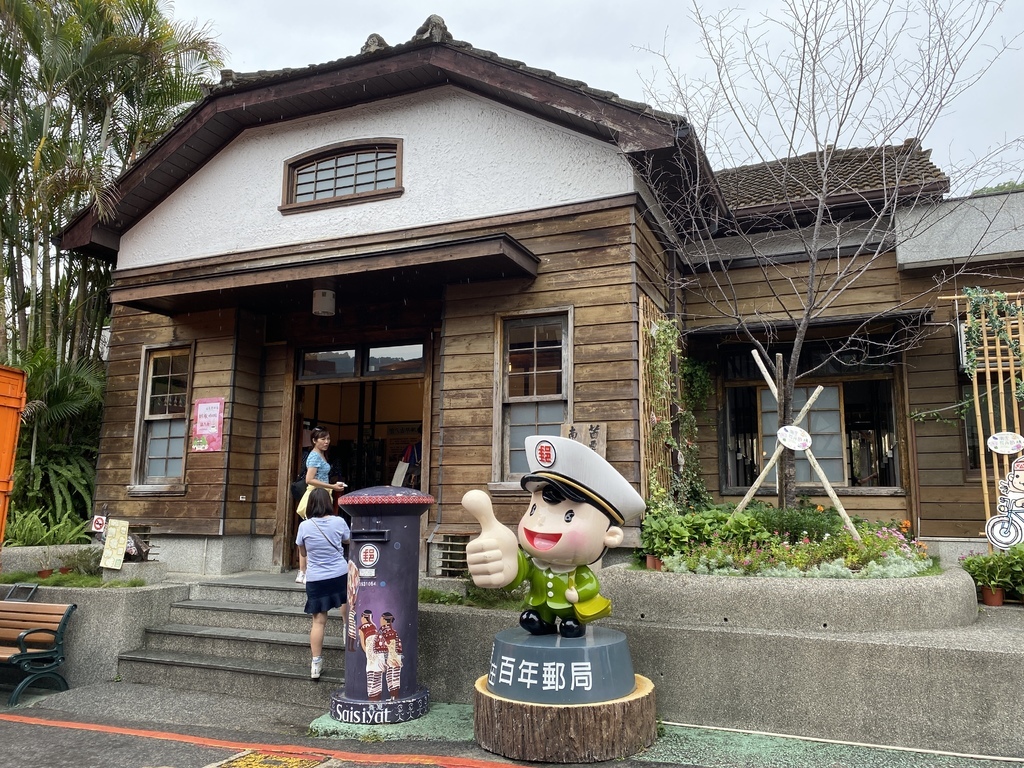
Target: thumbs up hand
{"x": 493, "y": 556}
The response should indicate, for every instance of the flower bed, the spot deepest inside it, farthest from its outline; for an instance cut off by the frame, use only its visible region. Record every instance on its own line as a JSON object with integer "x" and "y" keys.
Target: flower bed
{"x": 808, "y": 542}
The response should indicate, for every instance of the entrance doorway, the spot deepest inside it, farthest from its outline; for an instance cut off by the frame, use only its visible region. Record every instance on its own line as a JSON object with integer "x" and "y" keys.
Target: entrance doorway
{"x": 372, "y": 423}
{"x": 371, "y": 399}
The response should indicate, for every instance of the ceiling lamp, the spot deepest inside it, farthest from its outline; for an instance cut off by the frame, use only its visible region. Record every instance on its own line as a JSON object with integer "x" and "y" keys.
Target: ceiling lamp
{"x": 323, "y": 302}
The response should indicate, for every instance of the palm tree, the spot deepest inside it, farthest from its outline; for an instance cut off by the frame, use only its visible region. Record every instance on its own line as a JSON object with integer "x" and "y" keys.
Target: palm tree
{"x": 85, "y": 87}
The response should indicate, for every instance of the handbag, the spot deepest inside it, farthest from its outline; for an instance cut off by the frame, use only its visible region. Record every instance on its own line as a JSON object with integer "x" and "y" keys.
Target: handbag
{"x": 298, "y": 487}
{"x": 300, "y": 510}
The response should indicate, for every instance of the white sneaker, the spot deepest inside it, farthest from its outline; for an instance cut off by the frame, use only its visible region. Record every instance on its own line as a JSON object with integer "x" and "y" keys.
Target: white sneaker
{"x": 316, "y": 668}
{"x": 300, "y": 578}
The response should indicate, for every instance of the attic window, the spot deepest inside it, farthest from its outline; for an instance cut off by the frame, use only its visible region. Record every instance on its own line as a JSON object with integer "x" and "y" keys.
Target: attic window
{"x": 343, "y": 174}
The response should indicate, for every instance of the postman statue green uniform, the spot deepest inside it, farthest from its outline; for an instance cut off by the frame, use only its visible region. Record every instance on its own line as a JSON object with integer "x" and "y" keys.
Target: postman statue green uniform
{"x": 578, "y": 501}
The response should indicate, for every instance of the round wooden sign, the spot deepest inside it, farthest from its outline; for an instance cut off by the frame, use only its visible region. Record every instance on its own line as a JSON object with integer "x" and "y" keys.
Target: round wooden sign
{"x": 794, "y": 438}
{"x": 1005, "y": 442}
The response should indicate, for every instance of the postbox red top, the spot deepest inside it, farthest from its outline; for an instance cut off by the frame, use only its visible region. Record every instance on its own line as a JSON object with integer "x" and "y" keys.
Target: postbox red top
{"x": 385, "y": 494}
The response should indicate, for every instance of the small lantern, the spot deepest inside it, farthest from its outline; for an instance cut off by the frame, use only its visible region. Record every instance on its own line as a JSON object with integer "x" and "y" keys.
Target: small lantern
{"x": 323, "y": 303}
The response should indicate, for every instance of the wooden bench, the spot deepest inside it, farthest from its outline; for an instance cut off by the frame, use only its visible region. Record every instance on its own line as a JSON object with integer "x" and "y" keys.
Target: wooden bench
{"x": 32, "y": 640}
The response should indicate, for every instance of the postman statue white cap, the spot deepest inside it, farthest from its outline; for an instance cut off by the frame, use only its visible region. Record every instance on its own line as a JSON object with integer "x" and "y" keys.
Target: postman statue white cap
{"x": 582, "y": 475}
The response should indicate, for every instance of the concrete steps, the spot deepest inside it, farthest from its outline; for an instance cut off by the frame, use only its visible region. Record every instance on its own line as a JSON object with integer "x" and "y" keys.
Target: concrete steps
{"x": 239, "y": 639}
{"x": 232, "y": 643}
{"x": 248, "y": 678}
{"x": 258, "y": 616}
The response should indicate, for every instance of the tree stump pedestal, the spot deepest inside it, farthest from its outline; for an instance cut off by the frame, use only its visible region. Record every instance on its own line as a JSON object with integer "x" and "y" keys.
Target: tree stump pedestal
{"x": 557, "y": 700}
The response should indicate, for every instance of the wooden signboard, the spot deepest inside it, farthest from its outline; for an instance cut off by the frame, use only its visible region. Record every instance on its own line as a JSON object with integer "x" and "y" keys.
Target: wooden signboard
{"x": 594, "y": 436}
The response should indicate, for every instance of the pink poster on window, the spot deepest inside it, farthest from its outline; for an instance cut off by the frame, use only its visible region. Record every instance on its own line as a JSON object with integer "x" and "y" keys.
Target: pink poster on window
{"x": 207, "y": 423}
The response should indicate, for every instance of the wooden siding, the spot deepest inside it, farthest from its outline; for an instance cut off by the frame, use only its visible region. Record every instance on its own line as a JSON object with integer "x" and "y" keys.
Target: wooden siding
{"x": 877, "y": 290}
{"x": 750, "y": 291}
{"x": 950, "y": 498}
{"x": 212, "y": 336}
{"x": 588, "y": 263}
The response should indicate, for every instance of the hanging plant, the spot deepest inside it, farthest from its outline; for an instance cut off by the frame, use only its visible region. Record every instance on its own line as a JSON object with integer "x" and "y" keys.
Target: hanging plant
{"x": 676, "y": 394}
{"x": 994, "y": 306}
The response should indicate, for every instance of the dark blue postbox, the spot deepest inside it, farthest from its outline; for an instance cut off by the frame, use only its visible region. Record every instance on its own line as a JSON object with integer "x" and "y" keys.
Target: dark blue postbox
{"x": 382, "y": 632}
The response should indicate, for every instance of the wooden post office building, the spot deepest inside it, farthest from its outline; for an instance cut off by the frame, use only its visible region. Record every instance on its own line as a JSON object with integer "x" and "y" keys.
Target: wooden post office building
{"x": 421, "y": 241}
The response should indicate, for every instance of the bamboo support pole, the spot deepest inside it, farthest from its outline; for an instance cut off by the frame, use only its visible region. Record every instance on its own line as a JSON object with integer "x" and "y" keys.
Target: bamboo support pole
{"x": 784, "y": 465}
{"x": 998, "y": 460}
{"x": 982, "y": 447}
{"x": 765, "y": 374}
{"x": 831, "y": 494}
{"x": 1019, "y": 338}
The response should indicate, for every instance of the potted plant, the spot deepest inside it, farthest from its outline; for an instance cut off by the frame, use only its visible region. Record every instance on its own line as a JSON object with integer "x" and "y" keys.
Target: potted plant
{"x": 993, "y": 573}
{"x": 44, "y": 562}
{"x": 663, "y": 530}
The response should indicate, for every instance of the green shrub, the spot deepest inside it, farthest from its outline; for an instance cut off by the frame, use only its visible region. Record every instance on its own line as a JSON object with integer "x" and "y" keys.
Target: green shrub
{"x": 883, "y": 552}
{"x": 84, "y": 561}
{"x": 439, "y": 597}
{"x": 990, "y": 570}
{"x": 805, "y": 521}
{"x": 61, "y": 482}
{"x": 40, "y": 528}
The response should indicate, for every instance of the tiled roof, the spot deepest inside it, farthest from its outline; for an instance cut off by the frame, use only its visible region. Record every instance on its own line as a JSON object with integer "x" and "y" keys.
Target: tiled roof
{"x": 433, "y": 30}
{"x": 869, "y": 174}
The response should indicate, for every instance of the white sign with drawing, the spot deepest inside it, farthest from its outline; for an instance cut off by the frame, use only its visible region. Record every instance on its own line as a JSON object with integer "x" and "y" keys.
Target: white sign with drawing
{"x": 794, "y": 438}
{"x": 113, "y": 547}
{"x": 1006, "y": 529}
{"x": 1005, "y": 443}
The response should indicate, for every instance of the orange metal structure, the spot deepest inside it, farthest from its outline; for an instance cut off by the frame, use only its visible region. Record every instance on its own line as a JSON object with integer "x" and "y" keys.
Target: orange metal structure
{"x": 12, "y": 401}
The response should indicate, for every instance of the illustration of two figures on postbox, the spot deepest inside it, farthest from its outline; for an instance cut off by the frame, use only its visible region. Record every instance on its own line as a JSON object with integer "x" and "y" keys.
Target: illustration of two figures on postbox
{"x": 578, "y": 503}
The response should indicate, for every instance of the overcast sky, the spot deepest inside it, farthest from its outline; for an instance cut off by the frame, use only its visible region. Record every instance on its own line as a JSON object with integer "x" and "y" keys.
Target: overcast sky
{"x": 597, "y": 41}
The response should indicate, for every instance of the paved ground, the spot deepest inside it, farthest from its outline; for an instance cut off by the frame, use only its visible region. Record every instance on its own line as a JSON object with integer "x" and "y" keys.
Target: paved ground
{"x": 122, "y": 725}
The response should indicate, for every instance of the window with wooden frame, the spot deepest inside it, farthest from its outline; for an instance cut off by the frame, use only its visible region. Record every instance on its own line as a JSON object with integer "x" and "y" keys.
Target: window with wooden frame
{"x": 535, "y": 382}
{"x": 162, "y": 428}
{"x": 362, "y": 360}
{"x": 343, "y": 174}
{"x": 852, "y": 423}
{"x": 852, "y": 426}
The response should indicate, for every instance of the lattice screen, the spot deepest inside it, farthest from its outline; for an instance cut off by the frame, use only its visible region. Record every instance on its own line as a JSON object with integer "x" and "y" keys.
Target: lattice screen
{"x": 655, "y": 458}
{"x": 996, "y": 337}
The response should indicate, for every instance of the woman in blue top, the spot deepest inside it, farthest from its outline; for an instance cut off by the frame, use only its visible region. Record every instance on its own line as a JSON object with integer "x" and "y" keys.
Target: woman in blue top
{"x": 321, "y": 540}
{"x": 318, "y": 474}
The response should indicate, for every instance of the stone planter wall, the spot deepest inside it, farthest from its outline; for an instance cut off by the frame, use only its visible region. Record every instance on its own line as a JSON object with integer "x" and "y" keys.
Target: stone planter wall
{"x": 838, "y": 605}
{"x": 902, "y": 662}
{"x": 31, "y": 559}
{"x": 106, "y": 623}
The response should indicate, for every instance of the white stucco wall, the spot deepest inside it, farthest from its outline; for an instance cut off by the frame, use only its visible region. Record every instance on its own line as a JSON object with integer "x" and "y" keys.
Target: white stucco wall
{"x": 954, "y": 231}
{"x": 463, "y": 157}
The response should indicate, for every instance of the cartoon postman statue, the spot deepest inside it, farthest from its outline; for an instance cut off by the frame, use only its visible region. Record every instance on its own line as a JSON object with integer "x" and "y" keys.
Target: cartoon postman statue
{"x": 579, "y": 501}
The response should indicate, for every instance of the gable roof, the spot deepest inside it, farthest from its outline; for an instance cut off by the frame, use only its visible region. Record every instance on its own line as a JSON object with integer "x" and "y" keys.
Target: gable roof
{"x": 856, "y": 177}
{"x": 430, "y": 59}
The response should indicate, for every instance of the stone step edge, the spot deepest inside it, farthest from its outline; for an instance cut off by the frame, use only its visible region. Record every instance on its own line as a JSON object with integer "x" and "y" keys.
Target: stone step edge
{"x": 199, "y": 631}
{"x": 266, "y": 608}
{"x": 295, "y": 587}
{"x": 253, "y": 667}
